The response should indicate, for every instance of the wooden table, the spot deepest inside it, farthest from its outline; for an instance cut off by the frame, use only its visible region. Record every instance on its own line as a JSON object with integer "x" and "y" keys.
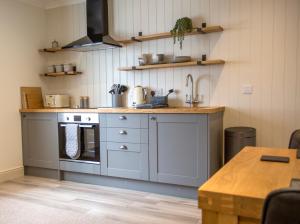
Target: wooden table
{"x": 236, "y": 193}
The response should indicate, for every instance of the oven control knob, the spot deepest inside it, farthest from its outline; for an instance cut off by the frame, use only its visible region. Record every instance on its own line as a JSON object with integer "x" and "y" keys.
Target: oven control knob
{"x": 68, "y": 118}
{"x": 89, "y": 119}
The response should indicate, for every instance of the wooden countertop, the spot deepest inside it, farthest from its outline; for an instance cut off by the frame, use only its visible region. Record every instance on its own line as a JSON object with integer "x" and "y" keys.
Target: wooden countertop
{"x": 241, "y": 186}
{"x": 170, "y": 110}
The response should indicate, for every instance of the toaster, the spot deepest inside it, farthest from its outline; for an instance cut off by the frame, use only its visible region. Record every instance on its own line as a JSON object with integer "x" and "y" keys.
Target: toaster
{"x": 57, "y": 101}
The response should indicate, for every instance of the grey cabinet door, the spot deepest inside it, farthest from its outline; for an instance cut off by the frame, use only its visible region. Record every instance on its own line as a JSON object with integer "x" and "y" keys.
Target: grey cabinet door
{"x": 178, "y": 149}
{"x": 40, "y": 140}
{"x": 125, "y": 160}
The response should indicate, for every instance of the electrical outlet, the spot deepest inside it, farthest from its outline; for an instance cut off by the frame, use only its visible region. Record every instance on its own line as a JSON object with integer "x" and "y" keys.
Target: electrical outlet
{"x": 247, "y": 89}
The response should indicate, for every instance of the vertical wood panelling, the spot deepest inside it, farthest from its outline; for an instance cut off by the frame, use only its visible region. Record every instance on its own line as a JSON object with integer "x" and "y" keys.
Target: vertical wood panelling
{"x": 152, "y": 44}
{"x": 297, "y": 83}
{"x": 131, "y": 48}
{"x": 136, "y": 4}
{"x": 260, "y": 44}
{"x": 256, "y": 62}
{"x": 160, "y": 44}
{"x": 290, "y": 74}
{"x": 169, "y": 48}
{"x": 144, "y": 16}
{"x": 267, "y": 70}
{"x": 279, "y": 60}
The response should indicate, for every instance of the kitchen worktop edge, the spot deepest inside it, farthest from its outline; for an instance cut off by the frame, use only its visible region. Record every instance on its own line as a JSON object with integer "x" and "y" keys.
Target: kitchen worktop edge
{"x": 170, "y": 110}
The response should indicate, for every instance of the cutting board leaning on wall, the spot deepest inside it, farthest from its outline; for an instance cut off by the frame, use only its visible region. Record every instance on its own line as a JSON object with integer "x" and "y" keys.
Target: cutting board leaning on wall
{"x": 31, "y": 97}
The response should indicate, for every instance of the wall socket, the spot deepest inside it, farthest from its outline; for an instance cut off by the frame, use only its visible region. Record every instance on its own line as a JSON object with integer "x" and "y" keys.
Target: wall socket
{"x": 247, "y": 89}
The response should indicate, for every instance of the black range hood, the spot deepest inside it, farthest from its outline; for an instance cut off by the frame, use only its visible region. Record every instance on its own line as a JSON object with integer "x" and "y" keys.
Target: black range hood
{"x": 97, "y": 29}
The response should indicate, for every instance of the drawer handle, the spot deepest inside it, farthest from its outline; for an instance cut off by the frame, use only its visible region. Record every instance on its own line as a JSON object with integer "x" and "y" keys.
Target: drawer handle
{"x": 123, "y": 147}
{"x": 123, "y": 132}
{"x": 152, "y": 118}
{"x": 122, "y": 118}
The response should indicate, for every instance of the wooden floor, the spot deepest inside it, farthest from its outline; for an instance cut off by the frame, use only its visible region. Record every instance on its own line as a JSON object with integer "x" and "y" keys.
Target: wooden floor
{"x": 31, "y": 200}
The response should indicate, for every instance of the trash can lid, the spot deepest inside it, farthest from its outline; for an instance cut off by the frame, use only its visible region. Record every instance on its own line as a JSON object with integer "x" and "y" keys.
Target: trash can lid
{"x": 238, "y": 131}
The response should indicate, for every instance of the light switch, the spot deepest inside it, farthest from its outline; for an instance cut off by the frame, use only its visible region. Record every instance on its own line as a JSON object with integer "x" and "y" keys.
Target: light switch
{"x": 247, "y": 89}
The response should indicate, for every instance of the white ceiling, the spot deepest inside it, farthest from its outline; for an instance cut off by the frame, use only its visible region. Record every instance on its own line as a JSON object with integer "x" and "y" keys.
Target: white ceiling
{"x": 48, "y": 4}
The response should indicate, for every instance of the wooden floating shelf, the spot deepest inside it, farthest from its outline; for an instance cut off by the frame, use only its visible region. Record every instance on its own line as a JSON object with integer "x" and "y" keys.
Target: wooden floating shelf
{"x": 59, "y": 74}
{"x": 206, "y": 30}
{"x": 174, "y": 65}
{"x": 157, "y": 36}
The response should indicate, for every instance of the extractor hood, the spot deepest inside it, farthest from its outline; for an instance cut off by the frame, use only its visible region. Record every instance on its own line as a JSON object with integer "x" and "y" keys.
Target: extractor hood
{"x": 97, "y": 29}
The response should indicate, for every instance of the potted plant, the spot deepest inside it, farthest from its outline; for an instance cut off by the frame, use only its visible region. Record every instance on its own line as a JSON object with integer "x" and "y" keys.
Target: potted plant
{"x": 183, "y": 25}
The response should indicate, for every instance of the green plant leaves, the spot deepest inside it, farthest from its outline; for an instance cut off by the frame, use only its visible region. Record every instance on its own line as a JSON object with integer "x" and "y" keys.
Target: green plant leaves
{"x": 182, "y": 26}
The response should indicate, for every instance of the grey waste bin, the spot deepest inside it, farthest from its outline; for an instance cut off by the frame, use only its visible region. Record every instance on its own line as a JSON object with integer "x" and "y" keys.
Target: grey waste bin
{"x": 236, "y": 138}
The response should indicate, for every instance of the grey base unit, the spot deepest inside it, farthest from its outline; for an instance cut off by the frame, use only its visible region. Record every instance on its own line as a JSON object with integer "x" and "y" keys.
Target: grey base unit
{"x": 79, "y": 167}
{"x": 124, "y": 146}
{"x": 183, "y": 149}
{"x": 40, "y": 140}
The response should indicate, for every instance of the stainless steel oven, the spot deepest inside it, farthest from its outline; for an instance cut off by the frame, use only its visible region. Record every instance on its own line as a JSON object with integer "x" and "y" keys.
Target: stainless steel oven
{"x": 79, "y": 133}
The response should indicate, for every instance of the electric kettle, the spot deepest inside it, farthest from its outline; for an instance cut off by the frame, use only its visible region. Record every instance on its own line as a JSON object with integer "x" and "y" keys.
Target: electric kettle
{"x": 139, "y": 95}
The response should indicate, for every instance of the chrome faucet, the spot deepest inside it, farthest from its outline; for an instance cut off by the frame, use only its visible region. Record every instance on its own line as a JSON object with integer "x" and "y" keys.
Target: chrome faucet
{"x": 190, "y": 98}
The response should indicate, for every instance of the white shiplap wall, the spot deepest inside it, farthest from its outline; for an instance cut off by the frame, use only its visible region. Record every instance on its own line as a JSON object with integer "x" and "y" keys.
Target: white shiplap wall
{"x": 260, "y": 44}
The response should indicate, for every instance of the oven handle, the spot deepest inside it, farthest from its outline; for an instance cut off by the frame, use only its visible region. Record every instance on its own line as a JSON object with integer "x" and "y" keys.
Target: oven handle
{"x": 81, "y": 126}
{"x": 86, "y": 126}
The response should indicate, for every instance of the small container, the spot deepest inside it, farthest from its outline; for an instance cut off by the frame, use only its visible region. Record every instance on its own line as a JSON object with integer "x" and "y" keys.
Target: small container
{"x": 158, "y": 58}
{"x": 116, "y": 100}
{"x": 145, "y": 59}
{"x": 51, "y": 69}
{"x": 58, "y": 68}
{"x": 84, "y": 102}
{"x": 68, "y": 67}
{"x": 142, "y": 61}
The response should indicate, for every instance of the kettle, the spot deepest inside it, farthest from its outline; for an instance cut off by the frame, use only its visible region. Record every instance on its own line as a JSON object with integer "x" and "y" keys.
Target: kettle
{"x": 139, "y": 95}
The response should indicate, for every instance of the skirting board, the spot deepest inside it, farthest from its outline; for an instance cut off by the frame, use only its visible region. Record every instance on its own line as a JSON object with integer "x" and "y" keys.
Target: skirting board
{"x": 11, "y": 174}
{"x": 137, "y": 185}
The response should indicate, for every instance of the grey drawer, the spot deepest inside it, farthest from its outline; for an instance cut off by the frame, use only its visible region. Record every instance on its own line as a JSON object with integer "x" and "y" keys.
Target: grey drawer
{"x": 124, "y": 146}
{"x": 124, "y": 120}
{"x": 80, "y": 167}
{"x": 130, "y": 135}
{"x": 131, "y": 162}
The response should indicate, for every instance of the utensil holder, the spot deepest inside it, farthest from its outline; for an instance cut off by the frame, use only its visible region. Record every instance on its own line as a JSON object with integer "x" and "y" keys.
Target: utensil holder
{"x": 116, "y": 100}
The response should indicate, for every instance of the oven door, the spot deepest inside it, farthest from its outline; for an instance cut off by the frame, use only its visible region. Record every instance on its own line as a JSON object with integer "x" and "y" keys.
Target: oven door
{"x": 89, "y": 143}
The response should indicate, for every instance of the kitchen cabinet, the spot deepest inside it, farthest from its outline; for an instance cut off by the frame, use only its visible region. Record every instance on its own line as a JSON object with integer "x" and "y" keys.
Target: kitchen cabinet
{"x": 125, "y": 160}
{"x": 124, "y": 146}
{"x": 180, "y": 148}
{"x": 40, "y": 140}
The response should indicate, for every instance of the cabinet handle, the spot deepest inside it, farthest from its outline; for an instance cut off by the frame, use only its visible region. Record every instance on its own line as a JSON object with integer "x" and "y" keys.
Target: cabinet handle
{"x": 123, "y": 132}
{"x": 122, "y": 118}
{"x": 123, "y": 147}
{"x": 152, "y": 118}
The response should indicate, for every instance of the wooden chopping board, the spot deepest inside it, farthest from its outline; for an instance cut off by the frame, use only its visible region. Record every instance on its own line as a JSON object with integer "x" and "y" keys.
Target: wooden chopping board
{"x": 31, "y": 98}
